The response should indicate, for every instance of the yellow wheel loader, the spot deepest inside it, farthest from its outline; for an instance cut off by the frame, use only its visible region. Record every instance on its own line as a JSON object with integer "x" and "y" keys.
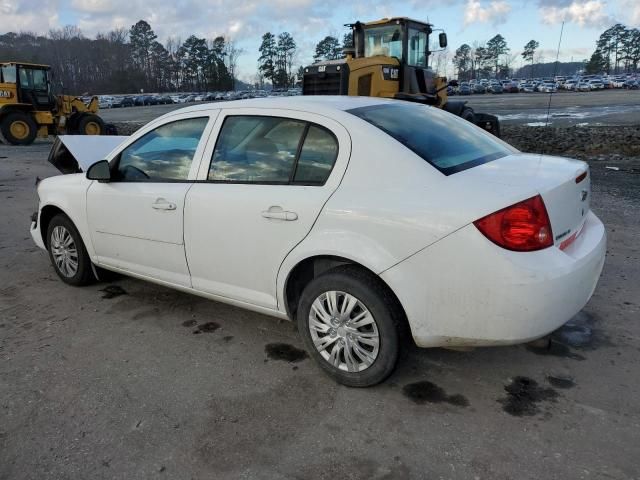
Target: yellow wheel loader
{"x": 28, "y": 109}
{"x": 390, "y": 58}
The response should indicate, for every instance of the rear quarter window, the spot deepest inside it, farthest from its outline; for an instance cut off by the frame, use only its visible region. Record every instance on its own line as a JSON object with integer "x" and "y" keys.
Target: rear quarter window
{"x": 447, "y": 142}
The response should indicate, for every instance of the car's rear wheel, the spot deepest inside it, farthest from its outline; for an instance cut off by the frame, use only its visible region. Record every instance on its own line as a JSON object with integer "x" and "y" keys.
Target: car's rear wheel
{"x": 67, "y": 252}
{"x": 349, "y": 323}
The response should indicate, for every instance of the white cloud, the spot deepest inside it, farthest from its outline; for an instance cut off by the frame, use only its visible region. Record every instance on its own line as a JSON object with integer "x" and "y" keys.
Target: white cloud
{"x": 37, "y": 16}
{"x": 629, "y": 11}
{"x": 495, "y": 12}
{"x": 589, "y": 13}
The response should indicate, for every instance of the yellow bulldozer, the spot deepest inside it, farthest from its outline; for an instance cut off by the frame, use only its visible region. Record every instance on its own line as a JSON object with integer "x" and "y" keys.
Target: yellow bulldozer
{"x": 28, "y": 109}
{"x": 390, "y": 58}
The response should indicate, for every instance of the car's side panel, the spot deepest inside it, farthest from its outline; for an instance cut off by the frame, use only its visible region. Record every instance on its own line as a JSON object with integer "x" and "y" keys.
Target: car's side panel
{"x": 231, "y": 248}
{"x": 138, "y": 226}
{"x": 392, "y": 203}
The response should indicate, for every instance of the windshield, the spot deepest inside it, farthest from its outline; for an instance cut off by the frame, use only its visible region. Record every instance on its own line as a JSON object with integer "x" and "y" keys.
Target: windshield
{"x": 447, "y": 142}
{"x": 385, "y": 41}
{"x": 8, "y": 74}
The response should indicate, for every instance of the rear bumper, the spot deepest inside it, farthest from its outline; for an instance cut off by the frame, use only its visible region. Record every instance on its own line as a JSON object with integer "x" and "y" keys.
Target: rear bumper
{"x": 465, "y": 291}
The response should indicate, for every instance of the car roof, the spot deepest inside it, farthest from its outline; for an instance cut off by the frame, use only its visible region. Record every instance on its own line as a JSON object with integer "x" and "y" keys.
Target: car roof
{"x": 322, "y": 104}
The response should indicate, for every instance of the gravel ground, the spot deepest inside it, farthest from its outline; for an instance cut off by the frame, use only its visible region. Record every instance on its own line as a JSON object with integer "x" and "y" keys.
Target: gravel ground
{"x": 125, "y": 379}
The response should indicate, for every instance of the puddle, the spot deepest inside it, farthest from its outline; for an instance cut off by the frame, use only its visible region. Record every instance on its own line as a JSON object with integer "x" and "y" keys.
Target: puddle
{"x": 284, "y": 351}
{"x": 555, "y": 349}
{"x": 189, "y": 323}
{"x": 427, "y": 392}
{"x": 113, "y": 291}
{"x": 206, "y": 328}
{"x": 576, "y": 333}
{"x": 561, "y": 382}
{"x": 523, "y": 396}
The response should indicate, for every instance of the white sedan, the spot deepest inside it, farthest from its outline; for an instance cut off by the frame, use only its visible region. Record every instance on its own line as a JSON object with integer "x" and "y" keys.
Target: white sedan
{"x": 362, "y": 219}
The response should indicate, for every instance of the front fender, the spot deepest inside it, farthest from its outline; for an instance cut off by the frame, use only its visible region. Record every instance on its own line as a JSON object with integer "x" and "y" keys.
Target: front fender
{"x": 69, "y": 194}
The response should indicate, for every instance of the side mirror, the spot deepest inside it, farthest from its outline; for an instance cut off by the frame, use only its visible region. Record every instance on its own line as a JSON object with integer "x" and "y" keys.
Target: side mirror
{"x": 442, "y": 39}
{"x": 99, "y": 171}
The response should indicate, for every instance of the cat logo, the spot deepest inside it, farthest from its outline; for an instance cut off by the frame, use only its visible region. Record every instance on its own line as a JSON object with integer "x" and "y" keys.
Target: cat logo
{"x": 5, "y": 94}
{"x": 322, "y": 68}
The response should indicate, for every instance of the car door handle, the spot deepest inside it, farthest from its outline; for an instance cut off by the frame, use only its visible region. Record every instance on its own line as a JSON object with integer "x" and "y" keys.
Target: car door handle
{"x": 162, "y": 204}
{"x": 278, "y": 213}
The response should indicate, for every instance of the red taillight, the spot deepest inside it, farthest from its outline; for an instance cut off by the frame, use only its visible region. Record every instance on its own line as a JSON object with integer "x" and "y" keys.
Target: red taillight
{"x": 522, "y": 227}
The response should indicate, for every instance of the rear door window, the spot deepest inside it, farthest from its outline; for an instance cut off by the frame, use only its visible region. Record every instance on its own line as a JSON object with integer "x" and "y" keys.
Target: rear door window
{"x": 272, "y": 150}
{"x": 447, "y": 142}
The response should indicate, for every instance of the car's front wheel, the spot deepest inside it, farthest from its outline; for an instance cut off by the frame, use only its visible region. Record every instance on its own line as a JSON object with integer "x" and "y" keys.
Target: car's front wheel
{"x": 68, "y": 254}
{"x": 349, "y": 323}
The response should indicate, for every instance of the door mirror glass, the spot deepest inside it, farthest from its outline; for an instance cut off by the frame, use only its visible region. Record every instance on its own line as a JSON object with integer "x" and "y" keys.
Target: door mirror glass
{"x": 99, "y": 171}
{"x": 442, "y": 39}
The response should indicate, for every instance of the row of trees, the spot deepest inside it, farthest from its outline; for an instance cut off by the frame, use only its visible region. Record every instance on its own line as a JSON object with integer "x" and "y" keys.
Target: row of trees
{"x": 276, "y": 60}
{"x": 126, "y": 61}
{"x": 482, "y": 60}
{"x": 617, "y": 50}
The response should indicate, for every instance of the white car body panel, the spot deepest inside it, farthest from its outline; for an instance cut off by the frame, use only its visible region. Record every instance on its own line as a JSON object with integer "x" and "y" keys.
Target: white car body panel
{"x": 251, "y": 242}
{"x": 133, "y": 233}
{"x": 383, "y": 207}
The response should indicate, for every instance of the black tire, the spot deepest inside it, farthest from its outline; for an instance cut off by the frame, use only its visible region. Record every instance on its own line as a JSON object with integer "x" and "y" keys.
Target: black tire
{"x": 24, "y": 123}
{"x": 90, "y": 124}
{"x": 382, "y": 305}
{"x": 84, "y": 273}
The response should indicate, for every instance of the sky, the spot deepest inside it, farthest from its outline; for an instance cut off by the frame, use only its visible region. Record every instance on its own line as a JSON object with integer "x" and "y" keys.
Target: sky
{"x": 465, "y": 21}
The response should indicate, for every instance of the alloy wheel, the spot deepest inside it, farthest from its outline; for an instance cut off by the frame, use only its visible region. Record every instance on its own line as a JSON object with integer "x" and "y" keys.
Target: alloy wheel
{"x": 343, "y": 331}
{"x": 64, "y": 251}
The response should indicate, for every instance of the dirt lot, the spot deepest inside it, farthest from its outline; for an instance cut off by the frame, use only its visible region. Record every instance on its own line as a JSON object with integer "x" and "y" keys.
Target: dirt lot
{"x": 130, "y": 380}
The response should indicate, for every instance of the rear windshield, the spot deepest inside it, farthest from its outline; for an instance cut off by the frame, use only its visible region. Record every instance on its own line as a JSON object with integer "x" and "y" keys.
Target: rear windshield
{"x": 447, "y": 142}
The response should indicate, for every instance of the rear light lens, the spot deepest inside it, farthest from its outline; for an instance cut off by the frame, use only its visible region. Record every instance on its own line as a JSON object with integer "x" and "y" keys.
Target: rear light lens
{"x": 523, "y": 227}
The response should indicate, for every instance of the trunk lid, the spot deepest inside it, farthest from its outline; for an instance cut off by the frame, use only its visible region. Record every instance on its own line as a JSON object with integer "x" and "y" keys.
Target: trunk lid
{"x": 564, "y": 184}
{"x": 76, "y": 153}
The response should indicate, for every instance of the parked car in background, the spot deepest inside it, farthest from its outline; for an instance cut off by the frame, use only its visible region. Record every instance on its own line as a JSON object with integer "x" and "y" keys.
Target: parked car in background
{"x": 116, "y": 102}
{"x": 511, "y": 87}
{"x": 583, "y": 87}
{"x": 105, "y": 101}
{"x": 127, "y": 102}
{"x": 495, "y": 88}
{"x": 632, "y": 85}
{"x": 140, "y": 101}
{"x": 596, "y": 84}
{"x": 548, "y": 87}
{"x": 527, "y": 88}
{"x": 479, "y": 89}
{"x": 293, "y": 218}
{"x": 464, "y": 89}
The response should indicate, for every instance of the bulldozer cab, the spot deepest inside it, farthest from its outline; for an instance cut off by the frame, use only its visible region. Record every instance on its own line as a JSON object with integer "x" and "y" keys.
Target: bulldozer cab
{"x": 388, "y": 58}
{"x": 26, "y": 84}
{"x": 409, "y": 43}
